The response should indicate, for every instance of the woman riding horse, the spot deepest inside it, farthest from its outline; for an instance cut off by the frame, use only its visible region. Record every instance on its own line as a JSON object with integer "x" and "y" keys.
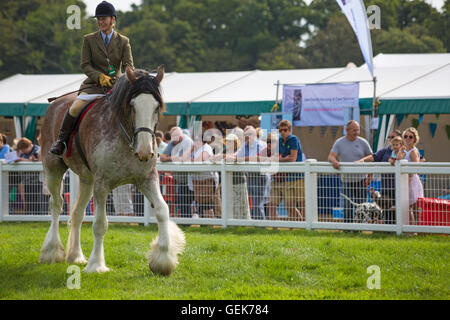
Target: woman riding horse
{"x": 104, "y": 54}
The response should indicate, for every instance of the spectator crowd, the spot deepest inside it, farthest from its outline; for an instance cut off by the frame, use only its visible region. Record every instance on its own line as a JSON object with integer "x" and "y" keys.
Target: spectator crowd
{"x": 257, "y": 194}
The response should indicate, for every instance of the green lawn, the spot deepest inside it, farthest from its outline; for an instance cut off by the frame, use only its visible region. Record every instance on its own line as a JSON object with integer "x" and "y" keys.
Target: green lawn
{"x": 232, "y": 263}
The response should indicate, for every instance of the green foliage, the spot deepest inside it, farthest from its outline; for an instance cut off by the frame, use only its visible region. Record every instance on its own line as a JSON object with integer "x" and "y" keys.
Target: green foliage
{"x": 217, "y": 35}
{"x": 231, "y": 264}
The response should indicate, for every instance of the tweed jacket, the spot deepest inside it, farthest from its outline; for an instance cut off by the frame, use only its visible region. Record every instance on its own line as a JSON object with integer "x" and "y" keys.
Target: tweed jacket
{"x": 94, "y": 57}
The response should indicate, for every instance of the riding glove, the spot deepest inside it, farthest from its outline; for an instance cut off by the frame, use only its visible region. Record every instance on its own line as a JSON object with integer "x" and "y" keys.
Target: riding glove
{"x": 104, "y": 80}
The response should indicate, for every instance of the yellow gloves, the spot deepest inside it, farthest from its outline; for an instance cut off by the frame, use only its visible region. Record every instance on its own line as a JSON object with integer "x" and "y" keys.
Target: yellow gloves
{"x": 104, "y": 80}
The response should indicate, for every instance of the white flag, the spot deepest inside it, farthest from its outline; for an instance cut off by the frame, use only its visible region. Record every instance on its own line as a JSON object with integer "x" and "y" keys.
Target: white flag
{"x": 355, "y": 11}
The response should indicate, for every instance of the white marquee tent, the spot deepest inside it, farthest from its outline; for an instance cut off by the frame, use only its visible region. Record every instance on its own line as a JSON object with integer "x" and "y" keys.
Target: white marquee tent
{"x": 406, "y": 83}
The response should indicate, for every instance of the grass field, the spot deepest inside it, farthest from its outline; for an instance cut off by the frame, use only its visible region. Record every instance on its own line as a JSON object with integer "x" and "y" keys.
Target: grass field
{"x": 232, "y": 263}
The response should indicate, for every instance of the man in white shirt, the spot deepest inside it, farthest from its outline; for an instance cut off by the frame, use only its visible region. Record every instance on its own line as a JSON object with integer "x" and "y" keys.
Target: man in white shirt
{"x": 179, "y": 149}
{"x": 256, "y": 182}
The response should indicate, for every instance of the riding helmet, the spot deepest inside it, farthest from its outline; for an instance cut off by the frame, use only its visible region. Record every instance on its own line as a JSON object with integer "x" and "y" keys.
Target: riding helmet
{"x": 105, "y": 9}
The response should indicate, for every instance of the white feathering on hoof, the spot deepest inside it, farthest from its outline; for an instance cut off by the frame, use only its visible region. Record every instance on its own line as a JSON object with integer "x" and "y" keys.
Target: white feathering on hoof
{"x": 164, "y": 262}
{"x": 52, "y": 253}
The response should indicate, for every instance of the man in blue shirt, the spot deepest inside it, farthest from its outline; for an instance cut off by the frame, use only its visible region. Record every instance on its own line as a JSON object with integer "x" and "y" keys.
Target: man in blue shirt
{"x": 292, "y": 189}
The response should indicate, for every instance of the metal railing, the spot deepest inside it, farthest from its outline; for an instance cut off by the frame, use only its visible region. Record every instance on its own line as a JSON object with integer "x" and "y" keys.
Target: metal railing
{"x": 291, "y": 195}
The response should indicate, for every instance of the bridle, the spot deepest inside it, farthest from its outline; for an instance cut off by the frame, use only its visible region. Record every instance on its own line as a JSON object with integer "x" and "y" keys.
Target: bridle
{"x": 144, "y": 84}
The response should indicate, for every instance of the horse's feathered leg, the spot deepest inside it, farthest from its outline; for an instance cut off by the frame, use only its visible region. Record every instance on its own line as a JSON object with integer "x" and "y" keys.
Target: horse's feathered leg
{"x": 170, "y": 242}
{"x": 74, "y": 252}
{"x": 52, "y": 249}
{"x": 96, "y": 261}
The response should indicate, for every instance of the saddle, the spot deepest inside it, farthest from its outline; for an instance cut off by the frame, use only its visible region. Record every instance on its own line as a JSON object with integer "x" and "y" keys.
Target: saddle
{"x": 75, "y": 136}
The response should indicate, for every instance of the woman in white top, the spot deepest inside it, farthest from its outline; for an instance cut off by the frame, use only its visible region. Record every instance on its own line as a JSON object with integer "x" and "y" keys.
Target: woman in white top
{"x": 204, "y": 182}
{"x": 411, "y": 138}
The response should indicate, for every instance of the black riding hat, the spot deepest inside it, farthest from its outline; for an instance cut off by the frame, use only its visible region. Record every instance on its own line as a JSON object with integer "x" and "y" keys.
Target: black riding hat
{"x": 105, "y": 9}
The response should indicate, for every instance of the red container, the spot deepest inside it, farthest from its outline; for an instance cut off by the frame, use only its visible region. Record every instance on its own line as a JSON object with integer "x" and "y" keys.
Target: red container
{"x": 433, "y": 212}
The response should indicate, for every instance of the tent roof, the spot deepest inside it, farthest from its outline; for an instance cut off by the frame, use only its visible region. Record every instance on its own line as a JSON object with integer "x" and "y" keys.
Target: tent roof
{"x": 255, "y": 93}
{"x": 424, "y": 95}
{"x": 399, "y": 77}
{"x": 410, "y": 59}
{"x": 22, "y": 88}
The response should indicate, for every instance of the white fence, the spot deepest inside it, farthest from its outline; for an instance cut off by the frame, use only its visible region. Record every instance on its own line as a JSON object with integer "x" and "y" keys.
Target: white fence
{"x": 243, "y": 190}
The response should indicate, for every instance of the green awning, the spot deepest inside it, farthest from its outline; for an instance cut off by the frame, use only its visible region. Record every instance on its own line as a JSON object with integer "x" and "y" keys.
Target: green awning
{"x": 11, "y": 109}
{"x": 230, "y": 108}
{"x": 35, "y": 109}
{"x": 401, "y": 106}
{"x": 415, "y": 106}
{"x": 365, "y": 106}
{"x": 175, "y": 108}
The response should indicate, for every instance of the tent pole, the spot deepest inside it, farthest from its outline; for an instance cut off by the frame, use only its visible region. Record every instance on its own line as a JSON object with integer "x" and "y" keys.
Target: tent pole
{"x": 374, "y": 106}
{"x": 276, "y": 95}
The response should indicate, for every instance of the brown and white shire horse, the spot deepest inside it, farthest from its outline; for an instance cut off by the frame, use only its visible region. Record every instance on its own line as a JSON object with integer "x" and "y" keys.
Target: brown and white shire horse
{"x": 117, "y": 138}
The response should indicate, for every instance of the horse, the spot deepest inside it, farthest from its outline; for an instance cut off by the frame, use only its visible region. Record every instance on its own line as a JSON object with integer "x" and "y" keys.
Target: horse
{"x": 117, "y": 138}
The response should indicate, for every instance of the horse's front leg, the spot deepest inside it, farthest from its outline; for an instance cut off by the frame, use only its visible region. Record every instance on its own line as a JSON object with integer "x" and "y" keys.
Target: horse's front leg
{"x": 170, "y": 242}
{"x": 52, "y": 250}
{"x": 96, "y": 261}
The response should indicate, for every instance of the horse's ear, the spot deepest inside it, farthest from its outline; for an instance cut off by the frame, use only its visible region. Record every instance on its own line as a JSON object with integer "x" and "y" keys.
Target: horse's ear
{"x": 160, "y": 73}
{"x": 130, "y": 75}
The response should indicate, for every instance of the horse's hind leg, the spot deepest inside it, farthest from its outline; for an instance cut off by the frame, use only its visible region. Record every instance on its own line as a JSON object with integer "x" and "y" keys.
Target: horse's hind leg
{"x": 96, "y": 261}
{"x": 52, "y": 249}
{"x": 74, "y": 252}
{"x": 170, "y": 242}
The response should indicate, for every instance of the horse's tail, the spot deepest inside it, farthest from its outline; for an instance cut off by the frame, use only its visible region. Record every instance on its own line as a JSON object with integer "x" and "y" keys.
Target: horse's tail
{"x": 349, "y": 200}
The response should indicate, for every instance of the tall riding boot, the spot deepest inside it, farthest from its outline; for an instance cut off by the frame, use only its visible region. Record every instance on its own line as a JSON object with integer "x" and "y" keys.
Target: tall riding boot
{"x": 64, "y": 134}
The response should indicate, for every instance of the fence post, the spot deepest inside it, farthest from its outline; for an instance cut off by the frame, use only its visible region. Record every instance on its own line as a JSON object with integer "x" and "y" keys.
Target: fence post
{"x": 147, "y": 211}
{"x": 401, "y": 196}
{"x": 227, "y": 182}
{"x": 73, "y": 186}
{"x": 3, "y": 191}
{"x": 310, "y": 194}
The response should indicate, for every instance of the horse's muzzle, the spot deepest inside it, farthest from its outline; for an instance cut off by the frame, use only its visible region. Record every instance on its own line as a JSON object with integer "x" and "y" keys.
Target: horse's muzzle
{"x": 145, "y": 156}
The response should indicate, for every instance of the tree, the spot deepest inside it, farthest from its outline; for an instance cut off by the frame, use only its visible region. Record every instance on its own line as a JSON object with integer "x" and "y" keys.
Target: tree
{"x": 287, "y": 55}
{"x": 409, "y": 40}
{"x": 36, "y": 39}
{"x": 334, "y": 46}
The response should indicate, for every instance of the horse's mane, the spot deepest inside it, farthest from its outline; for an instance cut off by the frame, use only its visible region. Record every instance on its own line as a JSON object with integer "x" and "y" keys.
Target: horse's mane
{"x": 123, "y": 91}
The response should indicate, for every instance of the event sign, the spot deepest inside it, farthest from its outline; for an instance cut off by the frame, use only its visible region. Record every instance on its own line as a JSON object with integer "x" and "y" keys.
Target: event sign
{"x": 319, "y": 104}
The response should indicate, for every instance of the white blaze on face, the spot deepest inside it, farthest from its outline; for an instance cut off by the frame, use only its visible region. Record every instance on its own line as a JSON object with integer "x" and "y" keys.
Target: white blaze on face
{"x": 145, "y": 106}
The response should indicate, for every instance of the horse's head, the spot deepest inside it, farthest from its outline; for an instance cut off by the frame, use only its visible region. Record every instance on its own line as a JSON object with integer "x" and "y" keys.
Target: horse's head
{"x": 145, "y": 99}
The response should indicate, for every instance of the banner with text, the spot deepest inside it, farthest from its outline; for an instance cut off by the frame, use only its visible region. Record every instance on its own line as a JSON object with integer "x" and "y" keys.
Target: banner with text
{"x": 319, "y": 104}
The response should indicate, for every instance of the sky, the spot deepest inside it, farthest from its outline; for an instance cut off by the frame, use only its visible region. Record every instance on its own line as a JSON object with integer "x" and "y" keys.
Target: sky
{"x": 125, "y": 5}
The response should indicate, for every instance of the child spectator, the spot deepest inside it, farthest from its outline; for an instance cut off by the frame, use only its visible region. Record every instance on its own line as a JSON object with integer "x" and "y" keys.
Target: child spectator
{"x": 398, "y": 150}
{"x": 4, "y": 147}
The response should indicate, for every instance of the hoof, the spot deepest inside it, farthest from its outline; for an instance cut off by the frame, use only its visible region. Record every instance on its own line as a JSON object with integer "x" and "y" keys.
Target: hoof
{"x": 52, "y": 254}
{"x": 163, "y": 262}
{"x": 76, "y": 259}
{"x": 96, "y": 268}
